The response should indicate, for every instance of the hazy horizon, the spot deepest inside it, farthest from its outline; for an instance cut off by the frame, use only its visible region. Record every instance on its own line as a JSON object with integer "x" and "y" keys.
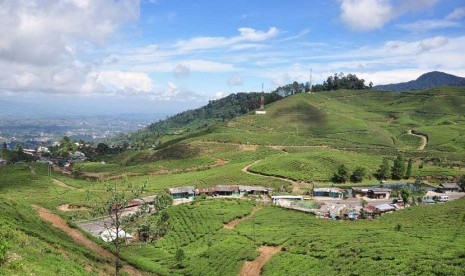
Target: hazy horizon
{"x": 156, "y": 56}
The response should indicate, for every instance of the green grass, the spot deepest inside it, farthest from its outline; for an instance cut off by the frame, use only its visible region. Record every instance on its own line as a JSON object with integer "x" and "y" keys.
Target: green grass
{"x": 37, "y": 248}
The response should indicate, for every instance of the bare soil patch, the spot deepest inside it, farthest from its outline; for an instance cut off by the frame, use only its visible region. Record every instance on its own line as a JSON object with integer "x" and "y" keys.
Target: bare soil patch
{"x": 232, "y": 224}
{"x": 254, "y": 268}
{"x": 248, "y": 147}
{"x": 79, "y": 237}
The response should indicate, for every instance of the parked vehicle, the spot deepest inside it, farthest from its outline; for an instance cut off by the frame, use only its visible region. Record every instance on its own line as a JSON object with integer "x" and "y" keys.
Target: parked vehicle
{"x": 442, "y": 198}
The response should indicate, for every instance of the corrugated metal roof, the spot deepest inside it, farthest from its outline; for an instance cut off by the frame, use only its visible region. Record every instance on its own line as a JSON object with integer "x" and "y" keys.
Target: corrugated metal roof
{"x": 182, "y": 190}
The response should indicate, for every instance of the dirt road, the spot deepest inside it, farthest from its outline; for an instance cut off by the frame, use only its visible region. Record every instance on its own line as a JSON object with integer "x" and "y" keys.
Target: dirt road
{"x": 230, "y": 225}
{"x": 424, "y": 139}
{"x": 79, "y": 237}
{"x": 254, "y": 268}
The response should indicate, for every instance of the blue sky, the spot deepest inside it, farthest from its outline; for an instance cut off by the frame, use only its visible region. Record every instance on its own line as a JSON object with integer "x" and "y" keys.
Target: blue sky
{"x": 165, "y": 56}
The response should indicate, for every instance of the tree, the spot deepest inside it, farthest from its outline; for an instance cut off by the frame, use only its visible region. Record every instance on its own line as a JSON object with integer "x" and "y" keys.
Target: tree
{"x": 462, "y": 182}
{"x": 405, "y": 195}
{"x": 102, "y": 148}
{"x": 342, "y": 175}
{"x": 398, "y": 169}
{"x": 113, "y": 206}
{"x": 408, "y": 174}
{"x": 358, "y": 174}
{"x": 383, "y": 171}
{"x": 4, "y": 146}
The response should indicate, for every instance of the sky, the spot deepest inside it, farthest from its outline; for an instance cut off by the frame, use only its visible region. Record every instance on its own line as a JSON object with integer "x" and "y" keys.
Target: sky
{"x": 166, "y": 56}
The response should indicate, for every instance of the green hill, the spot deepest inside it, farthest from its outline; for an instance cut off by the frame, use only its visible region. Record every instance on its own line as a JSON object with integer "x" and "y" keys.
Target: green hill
{"x": 304, "y": 137}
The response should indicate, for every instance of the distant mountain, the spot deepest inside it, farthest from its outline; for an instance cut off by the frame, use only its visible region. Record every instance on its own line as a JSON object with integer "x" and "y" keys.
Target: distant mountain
{"x": 425, "y": 81}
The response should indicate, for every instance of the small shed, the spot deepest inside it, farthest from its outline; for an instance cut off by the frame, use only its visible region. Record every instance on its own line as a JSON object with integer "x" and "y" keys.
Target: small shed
{"x": 182, "y": 192}
{"x": 360, "y": 192}
{"x": 224, "y": 190}
{"x": 370, "y": 211}
{"x": 2, "y": 162}
{"x": 328, "y": 192}
{"x": 448, "y": 187}
{"x": 205, "y": 191}
{"x": 379, "y": 193}
{"x": 385, "y": 208}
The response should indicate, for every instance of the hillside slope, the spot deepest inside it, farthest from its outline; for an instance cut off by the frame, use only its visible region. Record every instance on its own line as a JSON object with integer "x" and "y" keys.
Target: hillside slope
{"x": 348, "y": 119}
{"x": 425, "y": 81}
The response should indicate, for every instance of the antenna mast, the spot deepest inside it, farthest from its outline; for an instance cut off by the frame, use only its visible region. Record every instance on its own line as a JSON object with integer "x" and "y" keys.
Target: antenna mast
{"x": 310, "y": 82}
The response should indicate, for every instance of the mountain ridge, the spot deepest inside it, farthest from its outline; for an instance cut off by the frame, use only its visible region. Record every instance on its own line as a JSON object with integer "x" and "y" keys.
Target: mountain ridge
{"x": 425, "y": 81}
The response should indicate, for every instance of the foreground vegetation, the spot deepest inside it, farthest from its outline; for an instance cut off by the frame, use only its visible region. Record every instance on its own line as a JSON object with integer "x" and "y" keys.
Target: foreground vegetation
{"x": 305, "y": 137}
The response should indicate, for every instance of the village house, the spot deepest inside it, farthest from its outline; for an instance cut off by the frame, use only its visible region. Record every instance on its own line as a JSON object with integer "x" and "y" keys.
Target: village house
{"x": 205, "y": 191}
{"x": 448, "y": 187}
{"x": 285, "y": 200}
{"x": 373, "y": 193}
{"x": 187, "y": 192}
{"x": 370, "y": 211}
{"x": 378, "y": 193}
{"x": 224, "y": 190}
{"x": 385, "y": 208}
{"x": 255, "y": 190}
{"x": 328, "y": 192}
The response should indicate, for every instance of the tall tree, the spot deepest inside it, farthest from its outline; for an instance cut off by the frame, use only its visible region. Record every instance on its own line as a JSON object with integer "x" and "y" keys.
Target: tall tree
{"x": 408, "y": 173}
{"x": 112, "y": 207}
{"x": 462, "y": 182}
{"x": 342, "y": 174}
{"x": 398, "y": 169}
{"x": 358, "y": 174}
{"x": 384, "y": 171}
{"x": 405, "y": 194}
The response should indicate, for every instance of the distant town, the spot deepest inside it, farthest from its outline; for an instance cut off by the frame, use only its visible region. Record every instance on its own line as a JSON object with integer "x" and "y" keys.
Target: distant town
{"x": 35, "y": 132}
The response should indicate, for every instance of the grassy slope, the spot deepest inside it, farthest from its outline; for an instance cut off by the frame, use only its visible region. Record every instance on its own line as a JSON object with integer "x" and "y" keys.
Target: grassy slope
{"x": 36, "y": 247}
{"x": 350, "y": 127}
{"x": 430, "y": 242}
{"x": 350, "y": 119}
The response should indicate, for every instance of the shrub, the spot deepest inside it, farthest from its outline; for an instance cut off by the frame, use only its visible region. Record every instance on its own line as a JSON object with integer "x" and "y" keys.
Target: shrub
{"x": 4, "y": 247}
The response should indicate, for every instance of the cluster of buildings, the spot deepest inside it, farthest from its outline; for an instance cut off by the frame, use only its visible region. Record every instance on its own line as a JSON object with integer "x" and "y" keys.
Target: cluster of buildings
{"x": 189, "y": 192}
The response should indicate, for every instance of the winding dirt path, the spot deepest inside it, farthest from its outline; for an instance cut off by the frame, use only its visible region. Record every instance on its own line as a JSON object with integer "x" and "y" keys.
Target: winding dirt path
{"x": 296, "y": 185}
{"x": 232, "y": 224}
{"x": 254, "y": 268}
{"x": 424, "y": 139}
{"x": 80, "y": 238}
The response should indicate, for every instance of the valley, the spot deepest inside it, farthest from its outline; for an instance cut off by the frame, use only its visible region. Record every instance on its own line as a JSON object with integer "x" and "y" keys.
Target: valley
{"x": 295, "y": 149}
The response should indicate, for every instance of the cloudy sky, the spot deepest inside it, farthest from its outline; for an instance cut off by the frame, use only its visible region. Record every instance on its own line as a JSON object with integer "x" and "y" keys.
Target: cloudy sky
{"x": 164, "y": 56}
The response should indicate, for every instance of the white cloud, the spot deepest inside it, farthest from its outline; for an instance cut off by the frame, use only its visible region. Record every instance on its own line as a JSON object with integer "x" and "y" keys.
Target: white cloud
{"x": 41, "y": 42}
{"x": 457, "y": 14}
{"x": 428, "y": 25}
{"x": 368, "y": 15}
{"x": 136, "y": 82}
{"x": 206, "y": 42}
{"x": 181, "y": 71}
{"x": 281, "y": 79}
{"x": 235, "y": 80}
{"x": 432, "y": 43}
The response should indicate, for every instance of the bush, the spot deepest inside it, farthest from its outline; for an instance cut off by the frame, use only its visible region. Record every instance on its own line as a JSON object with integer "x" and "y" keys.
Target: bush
{"x": 4, "y": 247}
